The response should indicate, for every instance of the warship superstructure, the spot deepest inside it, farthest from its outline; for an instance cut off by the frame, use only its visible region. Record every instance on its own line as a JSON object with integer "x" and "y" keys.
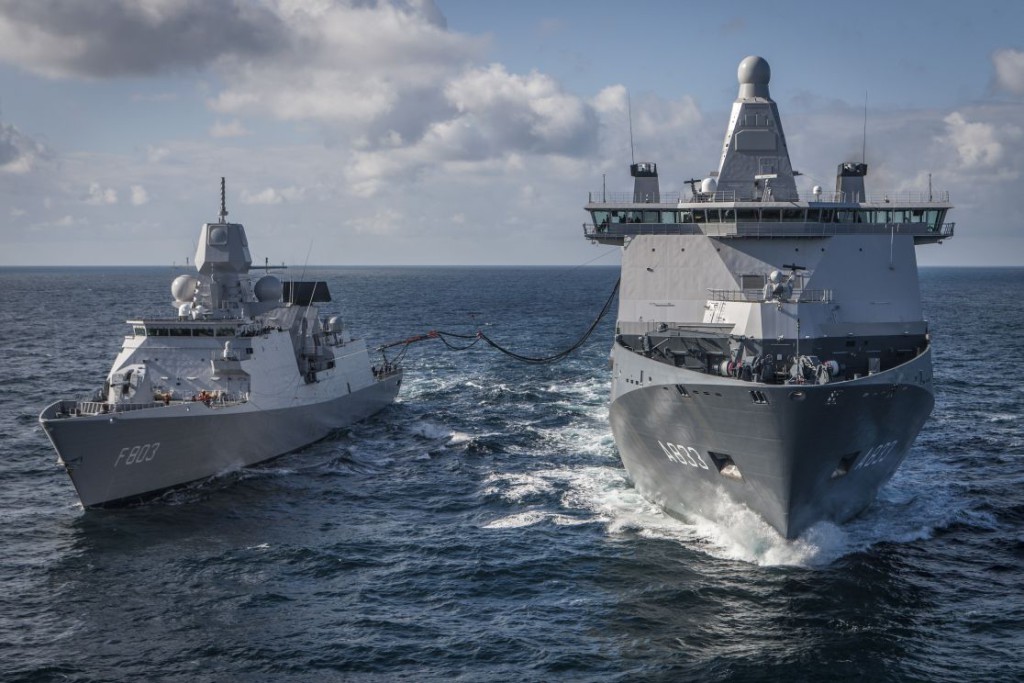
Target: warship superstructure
{"x": 245, "y": 371}
{"x": 769, "y": 348}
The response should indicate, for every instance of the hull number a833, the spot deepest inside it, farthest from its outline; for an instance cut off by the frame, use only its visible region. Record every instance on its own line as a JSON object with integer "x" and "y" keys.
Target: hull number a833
{"x": 877, "y": 454}
{"x": 684, "y": 455}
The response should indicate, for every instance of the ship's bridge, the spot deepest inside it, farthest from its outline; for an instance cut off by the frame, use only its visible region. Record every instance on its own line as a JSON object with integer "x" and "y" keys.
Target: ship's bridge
{"x": 616, "y": 217}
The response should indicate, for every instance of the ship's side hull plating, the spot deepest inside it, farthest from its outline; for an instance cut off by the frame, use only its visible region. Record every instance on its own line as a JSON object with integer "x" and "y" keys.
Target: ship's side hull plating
{"x": 131, "y": 455}
{"x": 795, "y": 453}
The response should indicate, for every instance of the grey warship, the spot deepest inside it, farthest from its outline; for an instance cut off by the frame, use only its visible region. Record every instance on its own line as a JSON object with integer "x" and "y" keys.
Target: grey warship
{"x": 245, "y": 371}
{"x": 769, "y": 349}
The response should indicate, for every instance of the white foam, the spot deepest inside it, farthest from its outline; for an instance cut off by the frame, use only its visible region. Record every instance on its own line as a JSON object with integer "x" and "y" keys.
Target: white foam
{"x": 532, "y": 517}
{"x": 514, "y": 488}
{"x": 732, "y": 531}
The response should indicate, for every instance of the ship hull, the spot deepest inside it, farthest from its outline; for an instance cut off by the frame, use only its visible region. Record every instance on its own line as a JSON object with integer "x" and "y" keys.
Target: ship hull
{"x": 794, "y": 454}
{"x": 124, "y": 457}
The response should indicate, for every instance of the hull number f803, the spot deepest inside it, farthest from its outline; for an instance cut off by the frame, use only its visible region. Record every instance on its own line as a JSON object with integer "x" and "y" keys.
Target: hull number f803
{"x": 684, "y": 455}
{"x": 133, "y": 455}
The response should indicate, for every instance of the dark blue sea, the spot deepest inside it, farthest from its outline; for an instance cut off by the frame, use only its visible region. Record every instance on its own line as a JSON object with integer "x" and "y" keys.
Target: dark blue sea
{"x": 483, "y": 529}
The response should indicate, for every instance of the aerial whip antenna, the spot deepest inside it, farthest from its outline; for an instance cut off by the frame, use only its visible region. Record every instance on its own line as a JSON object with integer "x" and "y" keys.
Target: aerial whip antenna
{"x": 629, "y": 109}
{"x": 223, "y": 204}
{"x": 864, "y": 144}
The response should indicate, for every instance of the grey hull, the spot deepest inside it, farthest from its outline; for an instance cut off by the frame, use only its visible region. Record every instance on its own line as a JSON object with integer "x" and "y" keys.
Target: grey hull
{"x": 803, "y": 453}
{"x": 125, "y": 456}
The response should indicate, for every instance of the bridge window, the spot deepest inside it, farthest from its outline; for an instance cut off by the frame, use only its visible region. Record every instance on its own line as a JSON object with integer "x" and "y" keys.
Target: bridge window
{"x": 771, "y": 215}
{"x": 793, "y": 215}
{"x": 746, "y": 215}
{"x": 669, "y": 217}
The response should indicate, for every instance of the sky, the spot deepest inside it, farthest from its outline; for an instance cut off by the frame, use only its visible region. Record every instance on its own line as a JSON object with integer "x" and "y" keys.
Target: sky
{"x": 436, "y": 132}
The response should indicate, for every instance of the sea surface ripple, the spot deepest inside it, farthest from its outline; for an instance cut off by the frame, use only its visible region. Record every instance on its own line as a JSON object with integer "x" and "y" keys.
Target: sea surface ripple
{"x": 482, "y": 528}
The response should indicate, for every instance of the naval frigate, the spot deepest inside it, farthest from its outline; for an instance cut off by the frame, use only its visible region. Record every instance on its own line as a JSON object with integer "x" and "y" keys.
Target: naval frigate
{"x": 769, "y": 349}
{"x": 245, "y": 371}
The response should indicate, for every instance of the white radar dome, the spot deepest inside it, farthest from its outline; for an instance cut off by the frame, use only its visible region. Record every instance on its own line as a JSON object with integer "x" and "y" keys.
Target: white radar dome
{"x": 268, "y": 288}
{"x": 754, "y": 70}
{"x": 708, "y": 186}
{"x": 183, "y": 288}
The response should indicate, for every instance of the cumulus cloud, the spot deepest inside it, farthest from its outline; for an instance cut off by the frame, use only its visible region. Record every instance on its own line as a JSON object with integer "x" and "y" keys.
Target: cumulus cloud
{"x": 156, "y": 154}
{"x": 385, "y": 77}
{"x": 100, "y": 196}
{"x": 139, "y": 196}
{"x": 18, "y": 152}
{"x": 271, "y": 195}
{"x": 526, "y": 113}
{"x": 231, "y": 129}
{"x": 977, "y": 143}
{"x": 1009, "y": 66}
{"x": 350, "y": 63}
{"x": 104, "y": 38}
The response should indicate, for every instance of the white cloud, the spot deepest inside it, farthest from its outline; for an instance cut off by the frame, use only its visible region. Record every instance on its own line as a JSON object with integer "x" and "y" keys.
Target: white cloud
{"x": 19, "y": 153}
{"x": 1009, "y": 66}
{"x": 100, "y": 196}
{"x": 976, "y": 143}
{"x": 382, "y": 222}
{"x": 349, "y": 63}
{"x": 139, "y": 195}
{"x": 156, "y": 154}
{"x": 273, "y": 196}
{"x": 231, "y": 129}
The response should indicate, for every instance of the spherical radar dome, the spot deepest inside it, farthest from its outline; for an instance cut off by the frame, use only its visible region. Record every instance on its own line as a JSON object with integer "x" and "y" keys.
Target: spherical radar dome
{"x": 268, "y": 288}
{"x": 754, "y": 71}
{"x": 183, "y": 288}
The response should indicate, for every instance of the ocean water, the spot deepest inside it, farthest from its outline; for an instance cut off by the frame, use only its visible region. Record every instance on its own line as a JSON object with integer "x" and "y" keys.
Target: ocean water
{"x": 482, "y": 528}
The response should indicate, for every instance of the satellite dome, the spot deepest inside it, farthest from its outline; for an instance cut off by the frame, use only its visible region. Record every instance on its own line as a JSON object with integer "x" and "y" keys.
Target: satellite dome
{"x": 183, "y": 288}
{"x": 754, "y": 70}
{"x": 268, "y": 288}
{"x": 218, "y": 235}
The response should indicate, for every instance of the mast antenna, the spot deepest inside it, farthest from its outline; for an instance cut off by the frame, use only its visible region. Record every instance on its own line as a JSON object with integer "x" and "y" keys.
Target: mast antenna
{"x": 223, "y": 203}
{"x": 629, "y": 109}
{"x": 864, "y": 144}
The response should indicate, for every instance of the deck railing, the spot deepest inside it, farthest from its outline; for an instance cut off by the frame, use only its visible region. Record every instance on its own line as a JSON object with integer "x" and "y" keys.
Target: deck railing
{"x": 672, "y": 199}
{"x": 798, "y": 296}
{"x": 761, "y": 229}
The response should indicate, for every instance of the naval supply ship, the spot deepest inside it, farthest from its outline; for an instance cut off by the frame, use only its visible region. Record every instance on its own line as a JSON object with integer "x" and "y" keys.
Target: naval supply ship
{"x": 770, "y": 349}
{"x": 245, "y": 371}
